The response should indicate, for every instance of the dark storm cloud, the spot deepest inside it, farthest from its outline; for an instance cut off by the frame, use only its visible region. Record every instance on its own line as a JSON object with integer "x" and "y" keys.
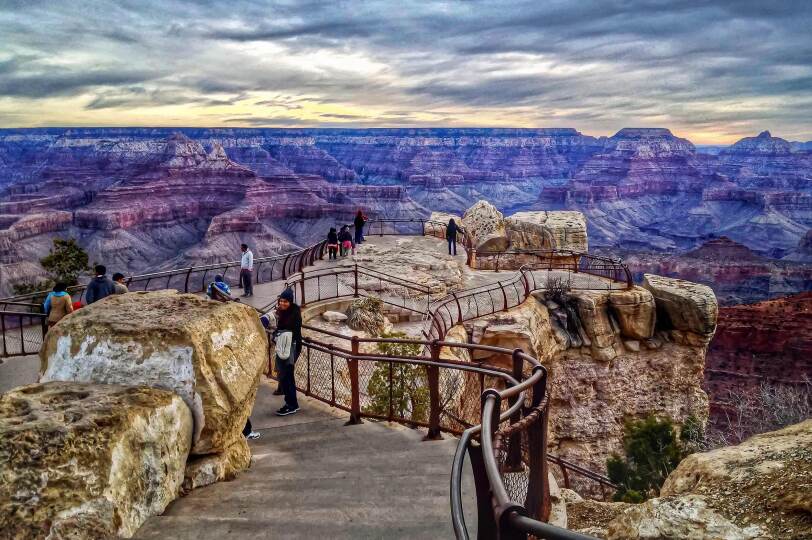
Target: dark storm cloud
{"x": 597, "y": 63}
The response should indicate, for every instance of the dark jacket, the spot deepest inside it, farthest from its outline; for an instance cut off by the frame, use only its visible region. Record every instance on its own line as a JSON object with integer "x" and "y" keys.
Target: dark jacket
{"x": 345, "y": 235}
{"x": 359, "y": 222}
{"x": 332, "y": 237}
{"x": 98, "y": 288}
{"x": 451, "y": 231}
{"x": 291, "y": 320}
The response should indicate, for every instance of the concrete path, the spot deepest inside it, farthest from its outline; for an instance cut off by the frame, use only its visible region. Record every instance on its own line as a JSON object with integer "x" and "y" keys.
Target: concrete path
{"x": 314, "y": 477}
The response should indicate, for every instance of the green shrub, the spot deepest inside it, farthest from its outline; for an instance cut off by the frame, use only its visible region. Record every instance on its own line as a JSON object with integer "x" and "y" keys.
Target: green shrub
{"x": 652, "y": 451}
{"x": 410, "y": 391}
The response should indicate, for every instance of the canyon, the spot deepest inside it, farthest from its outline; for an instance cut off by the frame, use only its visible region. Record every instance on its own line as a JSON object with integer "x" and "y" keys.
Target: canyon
{"x": 154, "y": 198}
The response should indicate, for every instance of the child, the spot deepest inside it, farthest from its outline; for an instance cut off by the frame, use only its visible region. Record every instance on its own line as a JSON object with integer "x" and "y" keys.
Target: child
{"x": 332, "y": 243}
{"x": 345, "y": 237}
{"x": 218, "y": 289}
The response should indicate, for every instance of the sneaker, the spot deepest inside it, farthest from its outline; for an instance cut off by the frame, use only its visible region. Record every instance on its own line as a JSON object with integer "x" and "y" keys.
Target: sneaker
{"x": 253, "y": 435}
{"x": 285, "y": 410}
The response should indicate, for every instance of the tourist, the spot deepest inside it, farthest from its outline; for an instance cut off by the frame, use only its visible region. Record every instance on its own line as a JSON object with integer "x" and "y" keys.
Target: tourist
{"x": 451, "y": 236}
{"x": 345, "y": 237}
{"x": 288, "y": 339}
{"x": 332, "y": 243}
{"x": 118, "y": 283}
{"x": 359, "y": 221}
{"x": 100, "y": 286}
{"x": 248, "y": 431}
{"x": 57, "y": 304}
{"x": 247, "y": 270}
{"x": 218, "y": 288}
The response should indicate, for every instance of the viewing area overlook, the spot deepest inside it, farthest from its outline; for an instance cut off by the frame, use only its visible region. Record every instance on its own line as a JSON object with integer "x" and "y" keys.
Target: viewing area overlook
{"x": 423, "y": 431}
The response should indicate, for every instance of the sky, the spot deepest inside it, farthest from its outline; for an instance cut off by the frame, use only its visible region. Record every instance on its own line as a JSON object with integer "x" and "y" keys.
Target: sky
{"x": 710, "y": 71}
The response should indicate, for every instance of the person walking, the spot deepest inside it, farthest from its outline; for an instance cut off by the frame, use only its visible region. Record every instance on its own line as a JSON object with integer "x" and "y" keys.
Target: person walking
{"x": 332, "y": 243}
{"x": 100, "y": 286}
{"x": 359, "y": 221}
{"x": 288, "y": 339}
{"x": 451, "y": 235}
{"x": 119, "y": 284}
{"x": 247, "y": 271}
{"x": 58, "y": 303}
{"x": 345, "y": 238}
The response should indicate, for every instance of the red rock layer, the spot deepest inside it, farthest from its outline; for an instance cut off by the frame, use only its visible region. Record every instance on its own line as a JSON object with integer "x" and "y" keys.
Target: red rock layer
{"x": 769, "y": 341}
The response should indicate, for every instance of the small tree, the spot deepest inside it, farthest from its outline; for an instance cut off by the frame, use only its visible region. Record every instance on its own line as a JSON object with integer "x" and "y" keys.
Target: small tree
{"x": 652, "y": 452}
{"x": 65, "y": 261}
{"x": 409, "y": 383}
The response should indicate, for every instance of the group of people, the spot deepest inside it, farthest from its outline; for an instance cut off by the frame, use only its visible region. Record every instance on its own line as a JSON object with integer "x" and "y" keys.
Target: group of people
{"x": 343, "y": 241}
{"x": 59, "y": 302}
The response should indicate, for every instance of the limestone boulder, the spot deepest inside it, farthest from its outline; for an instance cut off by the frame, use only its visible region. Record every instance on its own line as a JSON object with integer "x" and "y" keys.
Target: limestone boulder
{"x": 486, "y": 226}
{"x": 767, "y": 475}
{"x": 442, "y": 217}
{"x": 635, "y": 311}
{"x": 209, "y": 469}
{"x": 209, "y": 353}
{"x": 684, "y": 305}
{"x": 686, "y": 518}
{"x": 334, "y": 316}
{"x": 547, "y": 230}
{"x": 88, "y": 461}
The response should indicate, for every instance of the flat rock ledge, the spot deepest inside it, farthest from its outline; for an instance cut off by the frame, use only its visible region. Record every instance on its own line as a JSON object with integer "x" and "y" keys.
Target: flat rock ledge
{"x": 88, "y": 461}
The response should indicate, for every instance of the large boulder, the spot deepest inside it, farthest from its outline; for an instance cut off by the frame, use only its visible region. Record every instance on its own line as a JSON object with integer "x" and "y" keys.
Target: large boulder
{"x": 684, "y": 518}
{"x": 686, "y": 306}
{"x": 88, "y": 461}
{"x": 209, "y": 353}
{"x": 757, "y": 489}
{"x": 635, "y": 311}
{"x": 486, "y": 226}
{"x": 547, "y": 230}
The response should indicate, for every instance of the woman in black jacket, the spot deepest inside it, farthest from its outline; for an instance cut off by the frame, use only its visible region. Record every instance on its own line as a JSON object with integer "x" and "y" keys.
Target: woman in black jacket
{"x": 332, "y": 243}
{"x": 451, "y": 235}
{"x": 288, "y": 319}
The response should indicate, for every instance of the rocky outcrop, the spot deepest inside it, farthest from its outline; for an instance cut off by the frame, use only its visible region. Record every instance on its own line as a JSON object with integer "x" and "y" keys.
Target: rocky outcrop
{"x": 758, "y": 489}
{"x": 485, "y": 224}
{"x": 547, "y": 230}
{"x": 209, "y": 353}
{"x": 683, "y": 305}
{"x": 609, "y": 361}
{"x": 88, "y": 461}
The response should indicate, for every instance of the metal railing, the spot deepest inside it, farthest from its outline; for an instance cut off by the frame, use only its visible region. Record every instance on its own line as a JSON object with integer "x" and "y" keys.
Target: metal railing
{"x": 22, "y": 332}
{"x": 576, "y": 262}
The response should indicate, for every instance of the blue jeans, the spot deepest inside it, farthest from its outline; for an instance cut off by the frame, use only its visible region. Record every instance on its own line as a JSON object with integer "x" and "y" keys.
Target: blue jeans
{"x": 359, "y": 235}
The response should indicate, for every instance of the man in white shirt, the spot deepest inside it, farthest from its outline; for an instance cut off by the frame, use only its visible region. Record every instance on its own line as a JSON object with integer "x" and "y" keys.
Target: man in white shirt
{"x": 247, "y": 271}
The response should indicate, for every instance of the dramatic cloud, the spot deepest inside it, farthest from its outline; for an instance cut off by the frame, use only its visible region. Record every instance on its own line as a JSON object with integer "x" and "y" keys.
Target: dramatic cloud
{"x": 712, "y": 71}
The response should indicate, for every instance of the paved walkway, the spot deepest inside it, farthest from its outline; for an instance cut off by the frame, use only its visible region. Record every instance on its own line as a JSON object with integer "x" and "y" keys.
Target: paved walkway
{"x": 314, "y": 477}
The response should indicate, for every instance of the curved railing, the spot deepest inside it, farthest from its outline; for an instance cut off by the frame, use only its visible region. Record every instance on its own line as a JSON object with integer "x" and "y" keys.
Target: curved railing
{"x": 576, "y": 262}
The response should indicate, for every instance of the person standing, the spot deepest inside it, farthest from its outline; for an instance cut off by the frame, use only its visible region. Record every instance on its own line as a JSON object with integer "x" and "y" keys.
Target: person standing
{"x": 359, "y": 221}
{"x": 288, "y": 335}
{"x": 451, "y": 235}
{"x": 100, "y": 286}
{"x": 332, "y": 243}
{"x": 345, "y": 239}
{"x": 119, "y": 283}
{"x": 247, "y": 271}
{"x": 58, "y": 303}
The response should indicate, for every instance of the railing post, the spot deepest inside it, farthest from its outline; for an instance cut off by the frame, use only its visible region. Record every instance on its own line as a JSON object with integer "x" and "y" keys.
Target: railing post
{"x": 433, "y": 373}
{"x": 486, "y": 521}
{"x": 186, "y": 282}
{"x": 459, "y": 307}
{"x": 304, "y": 300}
{"x": 422, "y": 228}
{"x": 538, "y": 488}
{"x": 513, "y": 463}
{"x": 355, "y": 286}
{"x": 285, "y": 267}
{"x": 355, "y": 387}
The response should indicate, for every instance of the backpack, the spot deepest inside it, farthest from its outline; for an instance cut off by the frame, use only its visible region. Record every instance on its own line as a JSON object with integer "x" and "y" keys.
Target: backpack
{"x": 284, "y": 346}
